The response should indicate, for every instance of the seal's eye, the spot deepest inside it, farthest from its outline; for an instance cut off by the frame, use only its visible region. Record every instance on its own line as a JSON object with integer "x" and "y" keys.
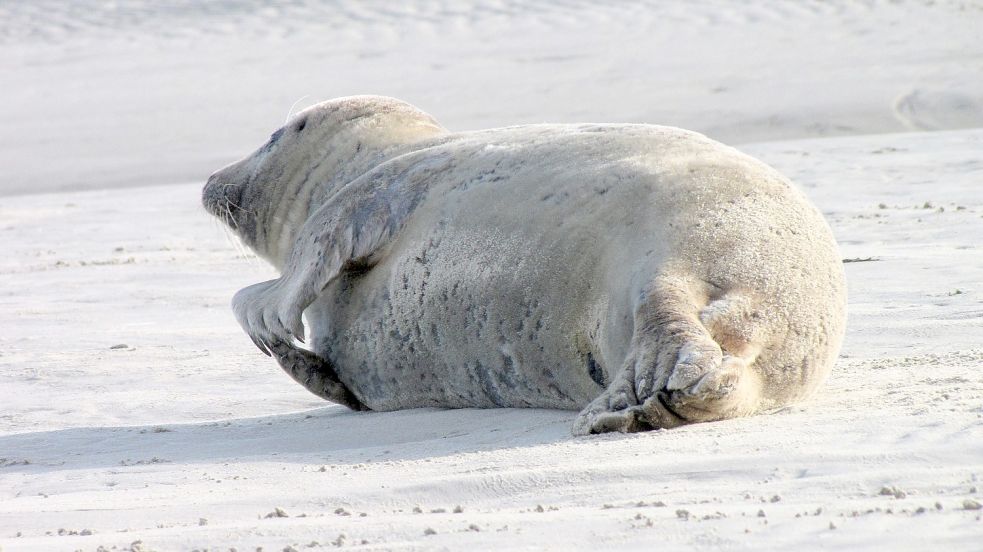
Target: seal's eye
{"x": 302, "y": 124}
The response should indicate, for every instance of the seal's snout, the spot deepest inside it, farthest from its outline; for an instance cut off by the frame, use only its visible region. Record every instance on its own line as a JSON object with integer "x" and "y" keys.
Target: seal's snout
{"x": 211, "y": 194}
{"x": 221, "y": 198}
{"x": 207, "y": 191}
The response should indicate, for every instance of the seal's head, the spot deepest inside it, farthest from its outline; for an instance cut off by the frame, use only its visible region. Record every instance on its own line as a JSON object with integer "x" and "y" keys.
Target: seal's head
{"x": 267, "y": 196}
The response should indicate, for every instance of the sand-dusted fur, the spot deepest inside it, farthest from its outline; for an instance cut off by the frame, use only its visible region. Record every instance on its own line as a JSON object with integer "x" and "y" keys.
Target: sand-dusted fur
{"x": 644, "y": 274}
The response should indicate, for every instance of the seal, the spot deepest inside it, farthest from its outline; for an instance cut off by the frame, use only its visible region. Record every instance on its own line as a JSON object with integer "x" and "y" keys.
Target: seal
{"x": 644, "y": 275}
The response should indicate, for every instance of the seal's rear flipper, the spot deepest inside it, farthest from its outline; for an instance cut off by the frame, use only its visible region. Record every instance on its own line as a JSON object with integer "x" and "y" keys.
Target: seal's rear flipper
{"x": 677, "y": 371}
{"x": 315, "y": 373}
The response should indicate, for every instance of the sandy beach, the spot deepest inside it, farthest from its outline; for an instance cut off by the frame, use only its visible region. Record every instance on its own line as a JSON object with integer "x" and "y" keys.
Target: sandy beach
{"x": 138, "y": 416}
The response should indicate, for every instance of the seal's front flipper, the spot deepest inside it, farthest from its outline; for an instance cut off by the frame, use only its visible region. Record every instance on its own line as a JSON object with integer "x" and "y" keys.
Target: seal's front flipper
{"x": 268, "y": 313}
{"x": 344, "y": 234}
{"x": 314, "y": 373}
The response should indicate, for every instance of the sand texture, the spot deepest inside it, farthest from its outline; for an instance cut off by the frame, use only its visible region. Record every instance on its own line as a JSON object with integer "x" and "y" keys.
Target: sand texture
{"x": 137, "y": 415}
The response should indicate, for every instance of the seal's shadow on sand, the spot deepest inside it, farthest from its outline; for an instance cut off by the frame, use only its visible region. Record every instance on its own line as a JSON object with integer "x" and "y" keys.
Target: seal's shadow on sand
{"x": 331, "y": 434}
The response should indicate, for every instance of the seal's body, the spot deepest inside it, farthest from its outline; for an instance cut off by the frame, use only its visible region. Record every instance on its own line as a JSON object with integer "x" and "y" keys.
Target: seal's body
{"x": 644, "y": 274}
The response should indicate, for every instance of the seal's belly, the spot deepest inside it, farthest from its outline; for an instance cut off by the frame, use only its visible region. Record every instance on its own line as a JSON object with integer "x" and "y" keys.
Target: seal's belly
{"x": 430, "y": 328}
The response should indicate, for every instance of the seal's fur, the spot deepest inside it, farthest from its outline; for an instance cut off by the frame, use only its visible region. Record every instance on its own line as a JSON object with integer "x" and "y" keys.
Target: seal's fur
{"x": 645, "y": 274}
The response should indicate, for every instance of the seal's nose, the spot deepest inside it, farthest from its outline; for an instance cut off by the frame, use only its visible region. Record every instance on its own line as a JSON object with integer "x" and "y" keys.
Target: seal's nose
{"x": 223, "y": 199}
{"x": 218, "y": 190}
{"x": 208, "y": 192}
{"x": 218, "y": 195}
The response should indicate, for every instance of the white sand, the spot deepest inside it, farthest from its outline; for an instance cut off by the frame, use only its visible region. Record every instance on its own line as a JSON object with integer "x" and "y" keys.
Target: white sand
{"x": 190, "y": 422}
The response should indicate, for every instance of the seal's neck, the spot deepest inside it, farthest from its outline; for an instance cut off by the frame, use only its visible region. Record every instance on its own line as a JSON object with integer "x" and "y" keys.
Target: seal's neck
{"x": 341, "y": 157}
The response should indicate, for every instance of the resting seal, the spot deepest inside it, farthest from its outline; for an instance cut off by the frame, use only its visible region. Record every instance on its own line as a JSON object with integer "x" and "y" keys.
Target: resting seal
{"x": 644, "y": 274}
